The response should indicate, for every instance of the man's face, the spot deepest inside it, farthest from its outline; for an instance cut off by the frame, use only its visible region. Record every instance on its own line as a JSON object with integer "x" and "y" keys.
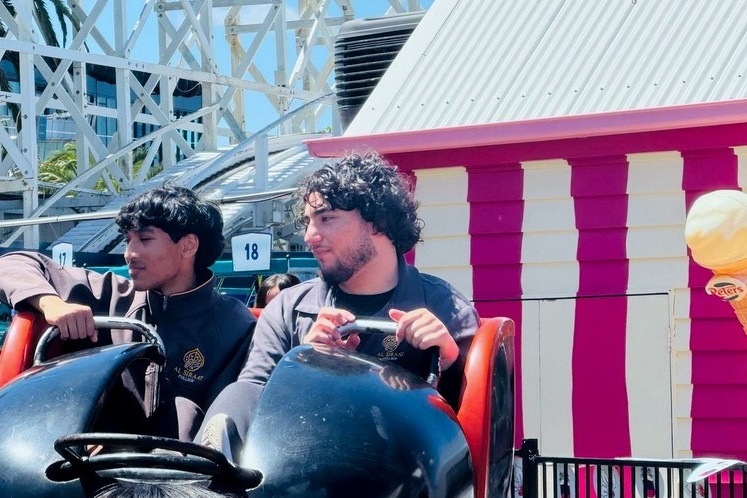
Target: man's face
{"x": 155, "y": 261}
{"x": 340, "y": 240}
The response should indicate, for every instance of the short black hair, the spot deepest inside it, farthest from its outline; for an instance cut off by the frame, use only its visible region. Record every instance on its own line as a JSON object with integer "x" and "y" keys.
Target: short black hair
{"x": 377, "y": 189}
{"x": 178, "y": 211}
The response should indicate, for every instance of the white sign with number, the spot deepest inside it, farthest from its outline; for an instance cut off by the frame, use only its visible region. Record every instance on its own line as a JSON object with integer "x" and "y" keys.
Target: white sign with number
{"x": 251, "y": 251}
{"x": 63, "y": 253}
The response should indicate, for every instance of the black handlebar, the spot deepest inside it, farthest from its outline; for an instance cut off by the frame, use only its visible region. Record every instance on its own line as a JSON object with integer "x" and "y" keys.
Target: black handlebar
{"x": 388, "y": 327}
{"x": 147, "y": 457}
{"x": 368, "y": 326}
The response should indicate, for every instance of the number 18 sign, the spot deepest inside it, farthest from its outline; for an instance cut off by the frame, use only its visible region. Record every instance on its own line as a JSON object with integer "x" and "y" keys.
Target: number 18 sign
{"x": 251, "y": 251}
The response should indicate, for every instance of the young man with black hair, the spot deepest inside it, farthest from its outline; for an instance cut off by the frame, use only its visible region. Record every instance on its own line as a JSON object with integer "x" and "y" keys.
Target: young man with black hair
{"x": 360, "y": 220}
{"x": 172, "y": 237}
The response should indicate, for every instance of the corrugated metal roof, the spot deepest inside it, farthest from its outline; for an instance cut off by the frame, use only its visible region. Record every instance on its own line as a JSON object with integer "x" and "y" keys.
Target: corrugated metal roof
{"x": 489, "y": 61}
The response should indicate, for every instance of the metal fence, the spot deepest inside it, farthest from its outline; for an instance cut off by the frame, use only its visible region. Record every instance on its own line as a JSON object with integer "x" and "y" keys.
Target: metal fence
{"x": 538, "y": 476}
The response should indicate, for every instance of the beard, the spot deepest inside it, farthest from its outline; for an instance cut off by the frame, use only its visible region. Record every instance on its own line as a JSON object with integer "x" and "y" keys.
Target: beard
{"x": 349, "y": 262}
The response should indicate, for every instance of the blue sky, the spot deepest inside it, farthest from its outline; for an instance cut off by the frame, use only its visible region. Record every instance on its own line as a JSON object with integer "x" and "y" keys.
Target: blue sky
{"x": 259, "y": 111}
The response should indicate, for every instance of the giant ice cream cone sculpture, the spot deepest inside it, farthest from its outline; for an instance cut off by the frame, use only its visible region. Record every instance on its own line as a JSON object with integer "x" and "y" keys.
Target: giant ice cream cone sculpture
{"x": 716, "y": 232}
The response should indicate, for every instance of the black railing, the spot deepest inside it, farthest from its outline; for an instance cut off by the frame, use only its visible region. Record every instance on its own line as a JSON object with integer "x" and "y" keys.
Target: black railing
{"x": 561, "y": 477}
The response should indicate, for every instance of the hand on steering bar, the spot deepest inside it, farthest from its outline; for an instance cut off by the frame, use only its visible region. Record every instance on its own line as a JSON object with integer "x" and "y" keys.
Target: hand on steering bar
{"x": 75, "y": 321}
{"x": 324, "y": 330}
{"x": 422, "y": 329}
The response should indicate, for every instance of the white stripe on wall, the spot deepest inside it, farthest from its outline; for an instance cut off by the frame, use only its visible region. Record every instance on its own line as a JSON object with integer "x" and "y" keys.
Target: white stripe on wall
{"x": 445, "y": 250}
{"x": 741, "y": 153}
{"x": 549, "y": 271}
{"x": 658, "y": 262}
{"x": 531, "y": 400}
{"x": 647, "y": 376}
{"x": 556, "y": 327}
{"x": 681, "y": 373}
{"x": 656, "y": 239}
{"x": 550, "y": 238}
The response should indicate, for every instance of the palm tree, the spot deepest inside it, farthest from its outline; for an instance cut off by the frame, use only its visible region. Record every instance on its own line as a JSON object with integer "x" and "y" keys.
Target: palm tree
{"x": 62, "y": 167}
{"x": 41, "y": 13}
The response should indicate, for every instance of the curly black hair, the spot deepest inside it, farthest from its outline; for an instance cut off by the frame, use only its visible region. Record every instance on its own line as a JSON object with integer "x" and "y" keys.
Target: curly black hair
{"x": 377, "y": 189}
{"x": 178, "y": 211}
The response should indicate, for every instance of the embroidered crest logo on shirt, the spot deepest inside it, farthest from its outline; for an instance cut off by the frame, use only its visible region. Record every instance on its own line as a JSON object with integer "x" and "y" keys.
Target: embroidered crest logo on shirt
{"x": 390, "y": 345}
{"x": 193, "y": 361}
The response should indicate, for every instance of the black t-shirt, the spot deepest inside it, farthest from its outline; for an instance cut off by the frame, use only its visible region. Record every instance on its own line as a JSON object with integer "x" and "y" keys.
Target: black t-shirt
{"x": 362, "y": 305}
{"x": 382, "y": 347}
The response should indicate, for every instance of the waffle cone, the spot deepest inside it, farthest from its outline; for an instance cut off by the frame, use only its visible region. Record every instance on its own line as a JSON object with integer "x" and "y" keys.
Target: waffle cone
{"x": 731, "y": 288}
{"x": 740, "y": 310}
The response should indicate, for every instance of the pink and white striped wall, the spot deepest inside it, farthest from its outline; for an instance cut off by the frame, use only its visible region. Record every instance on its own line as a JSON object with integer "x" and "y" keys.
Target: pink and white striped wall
{"x": 621, "y": 353}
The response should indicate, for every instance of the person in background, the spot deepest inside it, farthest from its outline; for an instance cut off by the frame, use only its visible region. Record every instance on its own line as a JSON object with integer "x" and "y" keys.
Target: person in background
{"x": 172, "y": 238}
{"x": 271, "y": 287}
{"x": 360, "y": 219}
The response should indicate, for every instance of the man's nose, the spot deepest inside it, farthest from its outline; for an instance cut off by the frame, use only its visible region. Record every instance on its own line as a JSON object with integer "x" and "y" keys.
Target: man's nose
{"x": 129, "y": 252}
{"x": 311, "y": 234}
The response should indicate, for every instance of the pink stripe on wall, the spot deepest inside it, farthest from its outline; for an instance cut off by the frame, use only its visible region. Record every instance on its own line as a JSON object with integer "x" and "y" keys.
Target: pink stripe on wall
{"x": 717, "y": 342}
{"x": 600, "y": 401}
{"x": 495, "y": 196}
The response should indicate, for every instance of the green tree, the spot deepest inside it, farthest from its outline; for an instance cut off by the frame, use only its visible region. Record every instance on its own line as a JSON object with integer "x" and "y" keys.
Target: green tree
{"x": 61, "y": 167}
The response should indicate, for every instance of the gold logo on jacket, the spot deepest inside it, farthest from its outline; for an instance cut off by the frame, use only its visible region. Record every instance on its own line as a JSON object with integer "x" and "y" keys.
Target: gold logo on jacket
{"x": 193, "y": 360}
{"x": 390, "y": 345}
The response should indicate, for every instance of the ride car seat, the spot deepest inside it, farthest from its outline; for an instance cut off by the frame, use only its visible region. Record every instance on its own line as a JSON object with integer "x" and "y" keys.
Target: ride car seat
{"x": 17, "y": 353}
{"x": 486, "y": 408}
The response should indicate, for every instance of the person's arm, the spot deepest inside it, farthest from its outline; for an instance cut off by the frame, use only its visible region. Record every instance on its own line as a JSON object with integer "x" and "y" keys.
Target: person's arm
{"x": 270, "y": 342}
{"x": 75, "y": 321}
{"x": 23, "y": 275}
{"x": 30, "y": 279}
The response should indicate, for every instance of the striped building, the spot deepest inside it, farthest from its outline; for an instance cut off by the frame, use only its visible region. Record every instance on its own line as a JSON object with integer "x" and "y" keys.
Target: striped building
{"x": 556, "y": 151}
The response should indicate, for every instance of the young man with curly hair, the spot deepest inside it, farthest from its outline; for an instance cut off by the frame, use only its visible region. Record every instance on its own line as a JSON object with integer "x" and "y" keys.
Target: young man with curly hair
{"x": 360, "y": 220}
{"x": 172, "y": 237}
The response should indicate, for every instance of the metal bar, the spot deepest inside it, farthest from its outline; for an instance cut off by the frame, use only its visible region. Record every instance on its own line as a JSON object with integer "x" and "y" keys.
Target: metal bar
{"x": 529, "y": 449}
{"x": 113, "y": 61}
{"x": 101, "y": 215}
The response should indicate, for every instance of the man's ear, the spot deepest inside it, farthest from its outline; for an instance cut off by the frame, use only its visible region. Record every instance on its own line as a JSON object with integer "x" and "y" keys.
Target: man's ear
{"x": 190, "y": 243}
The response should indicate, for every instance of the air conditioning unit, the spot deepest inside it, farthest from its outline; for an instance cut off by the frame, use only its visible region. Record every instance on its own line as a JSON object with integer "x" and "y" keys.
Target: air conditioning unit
{"x": 364, "y": 49}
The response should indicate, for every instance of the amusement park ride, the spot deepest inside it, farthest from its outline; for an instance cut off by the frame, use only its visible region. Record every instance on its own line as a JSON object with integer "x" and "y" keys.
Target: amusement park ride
{"x": 374, "y": 437}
